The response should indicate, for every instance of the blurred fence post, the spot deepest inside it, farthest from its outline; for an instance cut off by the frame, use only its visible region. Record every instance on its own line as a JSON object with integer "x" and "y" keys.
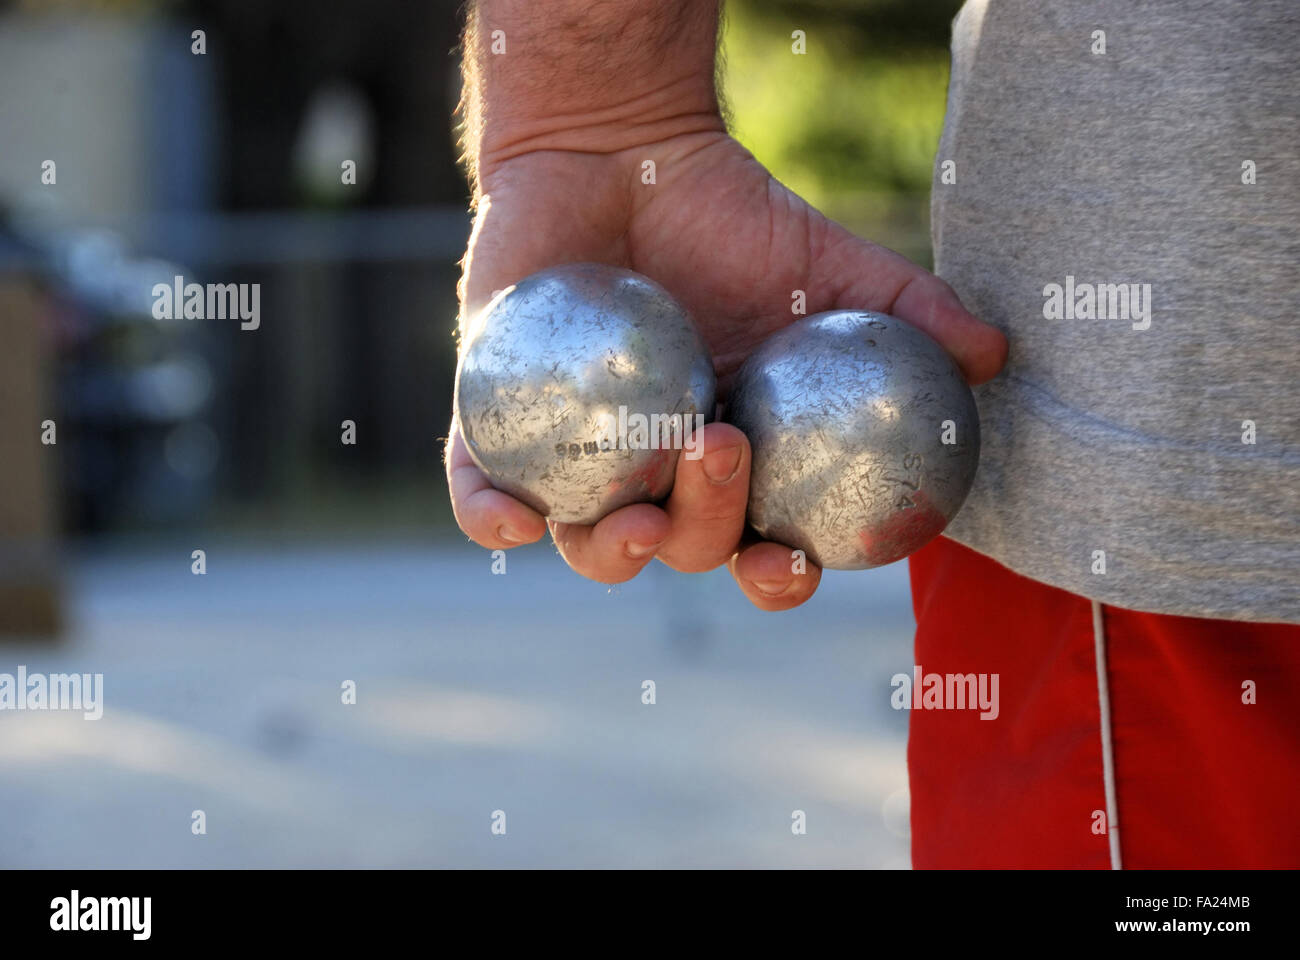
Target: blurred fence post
{"x": 29, "y": 594}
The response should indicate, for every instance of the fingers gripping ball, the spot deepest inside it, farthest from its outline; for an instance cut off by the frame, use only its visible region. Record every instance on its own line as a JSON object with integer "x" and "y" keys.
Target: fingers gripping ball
{"x": 865, "y": 438}
{"x": 578, "y": 389}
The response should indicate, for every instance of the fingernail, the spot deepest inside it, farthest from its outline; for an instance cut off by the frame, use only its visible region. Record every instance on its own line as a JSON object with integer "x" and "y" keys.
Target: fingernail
{"x": 720, "y": 465}
{"x": 508, "y": 535}
{"x": 772, "y": 588}
{"x": 638, "y": 550}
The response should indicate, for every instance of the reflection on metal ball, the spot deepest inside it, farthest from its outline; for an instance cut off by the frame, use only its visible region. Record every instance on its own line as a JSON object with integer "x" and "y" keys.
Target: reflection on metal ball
{"x": 865, "y": 438}
{"x": 579, "y": 387}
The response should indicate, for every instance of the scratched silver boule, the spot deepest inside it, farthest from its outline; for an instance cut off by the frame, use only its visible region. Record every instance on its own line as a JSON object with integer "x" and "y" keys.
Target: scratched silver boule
{"x": 548, "y": 357}
{"x": 845, "y": 413}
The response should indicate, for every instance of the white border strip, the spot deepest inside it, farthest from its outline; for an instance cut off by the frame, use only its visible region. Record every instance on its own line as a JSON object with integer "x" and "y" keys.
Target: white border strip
{"x": 1107, "y": 746}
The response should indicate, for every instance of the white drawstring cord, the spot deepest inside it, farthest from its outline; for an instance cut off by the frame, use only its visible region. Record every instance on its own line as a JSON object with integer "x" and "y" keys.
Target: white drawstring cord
{"x": 1107, "y": 747}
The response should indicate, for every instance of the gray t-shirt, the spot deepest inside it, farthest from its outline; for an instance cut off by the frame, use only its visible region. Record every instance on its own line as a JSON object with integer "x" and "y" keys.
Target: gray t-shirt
{"x": 1158, "y": 439}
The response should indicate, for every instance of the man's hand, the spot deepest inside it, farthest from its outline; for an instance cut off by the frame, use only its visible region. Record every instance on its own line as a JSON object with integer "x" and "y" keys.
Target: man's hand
{"x": 566, "y": 180}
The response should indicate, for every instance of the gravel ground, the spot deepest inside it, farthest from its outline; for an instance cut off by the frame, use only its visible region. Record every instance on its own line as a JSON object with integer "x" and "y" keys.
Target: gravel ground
{"x": 475, "y": 693}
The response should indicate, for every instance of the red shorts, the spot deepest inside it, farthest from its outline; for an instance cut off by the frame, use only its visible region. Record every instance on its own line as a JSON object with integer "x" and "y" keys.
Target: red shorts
{"x": 1201, "y": 777}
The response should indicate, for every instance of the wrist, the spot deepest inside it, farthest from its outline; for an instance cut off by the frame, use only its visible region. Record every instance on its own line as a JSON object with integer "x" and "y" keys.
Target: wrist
{"x": 592, "y": 76}
{"x": 615, "y": 130}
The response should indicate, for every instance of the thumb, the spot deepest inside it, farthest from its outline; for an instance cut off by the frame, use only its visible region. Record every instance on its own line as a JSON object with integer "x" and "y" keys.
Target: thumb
{"x": 865, "y": 276}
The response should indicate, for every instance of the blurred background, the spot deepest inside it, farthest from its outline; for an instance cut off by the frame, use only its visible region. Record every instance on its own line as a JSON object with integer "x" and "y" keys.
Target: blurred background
{"x": 128, "y": 442}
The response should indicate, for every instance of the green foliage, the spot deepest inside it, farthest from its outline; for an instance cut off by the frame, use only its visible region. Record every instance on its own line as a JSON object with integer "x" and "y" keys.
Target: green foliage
{"x": 866, "y": 25}
{"x": 853, "y": 123}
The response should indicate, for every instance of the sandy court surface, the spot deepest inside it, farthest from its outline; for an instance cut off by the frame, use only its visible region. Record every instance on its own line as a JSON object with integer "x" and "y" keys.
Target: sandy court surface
{"x": 475, "y": 693}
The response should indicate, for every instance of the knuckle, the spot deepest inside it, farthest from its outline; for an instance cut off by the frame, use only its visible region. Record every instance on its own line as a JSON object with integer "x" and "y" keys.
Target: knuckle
{"x": 711, "y": 510}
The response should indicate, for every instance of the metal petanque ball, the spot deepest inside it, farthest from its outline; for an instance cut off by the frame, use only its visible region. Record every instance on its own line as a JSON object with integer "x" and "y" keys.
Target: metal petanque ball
{"x": 848, "y": 413}
{"x": 567, "y": 386}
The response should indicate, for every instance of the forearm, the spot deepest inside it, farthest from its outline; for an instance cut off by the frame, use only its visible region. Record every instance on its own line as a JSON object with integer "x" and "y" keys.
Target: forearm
{"x": 587, "y": 75}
